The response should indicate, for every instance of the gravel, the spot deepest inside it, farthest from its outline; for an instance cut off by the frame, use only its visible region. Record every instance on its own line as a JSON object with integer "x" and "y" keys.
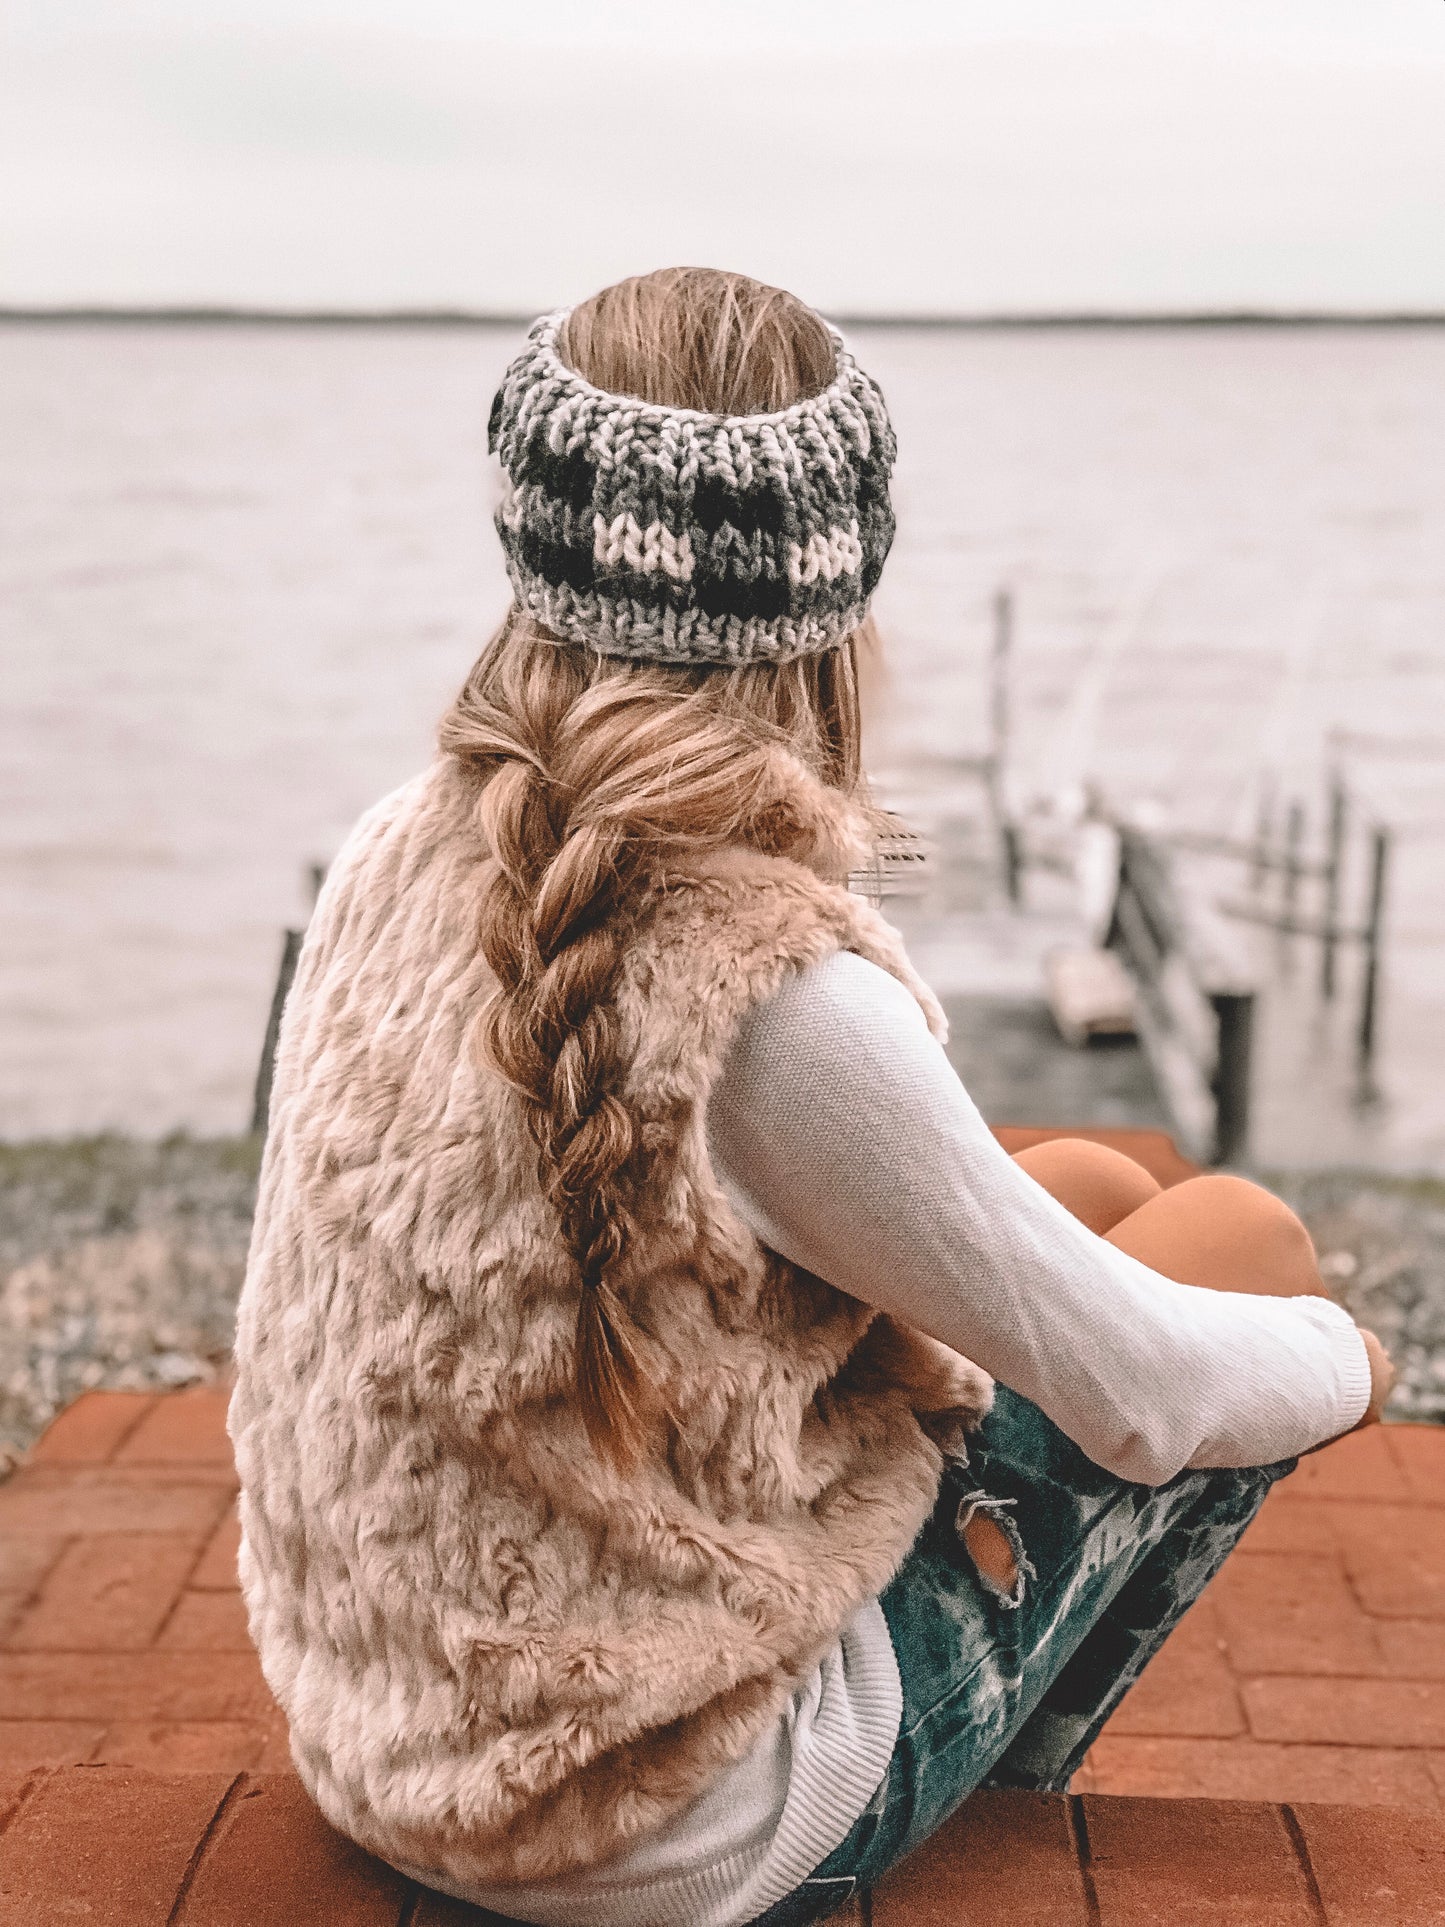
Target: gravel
{"x": 1381, "y": 1242}
{"x": 120, "y": 1263}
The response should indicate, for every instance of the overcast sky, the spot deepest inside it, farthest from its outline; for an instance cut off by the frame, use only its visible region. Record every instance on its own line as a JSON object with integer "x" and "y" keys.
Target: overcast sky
{"x": 899, "y": 156}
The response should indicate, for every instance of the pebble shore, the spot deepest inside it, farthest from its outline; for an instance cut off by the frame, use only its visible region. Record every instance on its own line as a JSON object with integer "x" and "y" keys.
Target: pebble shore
{"x": 1381, "y": 1244}
{"x": 121, "y": 1261}
{"x": 120, "y": 1264}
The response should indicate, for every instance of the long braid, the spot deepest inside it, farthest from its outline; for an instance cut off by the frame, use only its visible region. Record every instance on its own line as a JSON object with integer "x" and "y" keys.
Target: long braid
{"x": 549, "y": 934}
{"x": 594, "y": 775}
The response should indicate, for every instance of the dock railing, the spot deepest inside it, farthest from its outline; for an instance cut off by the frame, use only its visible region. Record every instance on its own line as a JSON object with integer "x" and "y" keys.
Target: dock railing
{"x": 1295, "y": 893}
{"x": 1195, "y": 1011}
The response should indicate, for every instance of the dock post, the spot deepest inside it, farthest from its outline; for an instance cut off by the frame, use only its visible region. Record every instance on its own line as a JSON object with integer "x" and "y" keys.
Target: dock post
{"x": 1013, "y": 862}
{"x": 1263, "y": 837}
{"x": 1234, "y": 1016}
{"x": 1334, "y": 865}
{"x": 261, "y": 1103}
{"x": 1294, "y": 834}
{"x": 1000, "y": 724}
{"x": 1373, "y": 935}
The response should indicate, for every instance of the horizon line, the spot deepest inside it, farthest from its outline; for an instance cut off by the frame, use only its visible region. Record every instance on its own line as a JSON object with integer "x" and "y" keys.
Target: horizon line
{"x": 237, "y": 314}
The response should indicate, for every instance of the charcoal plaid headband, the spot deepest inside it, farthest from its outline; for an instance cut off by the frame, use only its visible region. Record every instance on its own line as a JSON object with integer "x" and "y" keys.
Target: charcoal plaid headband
{"x": 669, "y": 535}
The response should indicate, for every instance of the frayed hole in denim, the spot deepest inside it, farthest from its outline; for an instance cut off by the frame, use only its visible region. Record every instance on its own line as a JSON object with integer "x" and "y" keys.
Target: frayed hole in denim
{"x": 988, "y": 1533}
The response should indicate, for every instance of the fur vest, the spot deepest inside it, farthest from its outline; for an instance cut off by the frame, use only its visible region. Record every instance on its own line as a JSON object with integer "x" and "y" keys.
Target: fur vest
{"x": 500, "y": 1657}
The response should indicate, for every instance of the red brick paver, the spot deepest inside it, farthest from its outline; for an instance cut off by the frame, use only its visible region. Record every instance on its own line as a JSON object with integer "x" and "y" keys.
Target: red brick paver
{"x": 93, "y": 1429}
{"x": 1188, "y": 1863}
{"x": 112, "y": 1592}
{"x": 122, "y": 1848}
{"x": 1006, "y": 1857}
{"x": 1373, "y": 1869}
{"x": 103, "y": 1847}
{"x": 1329, "y": 1620}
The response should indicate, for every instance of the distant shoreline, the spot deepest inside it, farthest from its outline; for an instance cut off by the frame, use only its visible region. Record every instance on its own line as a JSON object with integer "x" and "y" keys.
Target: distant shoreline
{"x": 476, "y": 318}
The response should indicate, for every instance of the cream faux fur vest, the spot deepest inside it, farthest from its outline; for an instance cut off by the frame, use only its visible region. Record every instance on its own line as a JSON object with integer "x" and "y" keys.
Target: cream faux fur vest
{"x": 499, "y": 1657}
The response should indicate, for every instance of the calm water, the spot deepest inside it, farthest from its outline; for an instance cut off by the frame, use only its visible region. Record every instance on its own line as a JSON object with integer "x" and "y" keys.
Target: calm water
{"x": 244, "y": 568}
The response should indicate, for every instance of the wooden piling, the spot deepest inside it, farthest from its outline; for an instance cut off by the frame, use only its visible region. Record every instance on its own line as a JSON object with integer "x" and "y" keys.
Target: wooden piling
{"x": 1234, "y": 1014}
{"x": 1373, "y": 937}
{"x": 1000, "y": 725}
{"x": 261, "y": 1104}
{"x": 1333, "y": 873}
{"x": 1294, "y": 833}
{"x": 1261, "y": 860}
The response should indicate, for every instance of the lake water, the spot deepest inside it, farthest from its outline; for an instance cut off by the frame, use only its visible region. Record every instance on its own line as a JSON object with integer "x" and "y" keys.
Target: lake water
{"x": 244, "y": 567}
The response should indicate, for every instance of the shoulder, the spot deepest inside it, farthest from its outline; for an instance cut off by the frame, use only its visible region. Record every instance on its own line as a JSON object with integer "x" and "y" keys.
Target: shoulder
{"x": 843, "y": 1021}
{"x": 846, "y": 992}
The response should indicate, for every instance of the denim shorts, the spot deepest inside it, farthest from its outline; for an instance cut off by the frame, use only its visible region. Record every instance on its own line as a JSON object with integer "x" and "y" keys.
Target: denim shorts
{"x": 1010, "y": 1686}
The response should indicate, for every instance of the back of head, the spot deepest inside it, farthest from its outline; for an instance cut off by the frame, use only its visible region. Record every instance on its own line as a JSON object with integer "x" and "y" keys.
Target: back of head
{"x": 700, "y": 338}
{"x": 601, "y": 756}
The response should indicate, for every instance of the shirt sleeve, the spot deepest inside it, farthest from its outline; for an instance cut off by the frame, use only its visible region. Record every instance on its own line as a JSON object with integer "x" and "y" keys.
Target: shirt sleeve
{"x": 847, "y": 1142}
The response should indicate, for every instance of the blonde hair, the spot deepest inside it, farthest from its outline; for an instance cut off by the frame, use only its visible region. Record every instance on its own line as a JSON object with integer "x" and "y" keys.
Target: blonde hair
{"x": 598, "y": 770}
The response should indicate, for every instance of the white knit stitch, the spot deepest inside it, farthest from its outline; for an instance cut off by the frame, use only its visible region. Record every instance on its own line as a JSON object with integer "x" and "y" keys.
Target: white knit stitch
{"x": 839, "y": 552}
{"x": 621, "y": 543}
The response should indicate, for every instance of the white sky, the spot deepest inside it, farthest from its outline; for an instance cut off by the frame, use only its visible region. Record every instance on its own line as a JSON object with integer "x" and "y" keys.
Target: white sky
{"x": 899, "y": 156}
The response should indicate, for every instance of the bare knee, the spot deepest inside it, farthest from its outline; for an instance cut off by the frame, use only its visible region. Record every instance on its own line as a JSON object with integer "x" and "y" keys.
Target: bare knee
{"x": 1285, "y": 1249}
{"x": 1224, "y": 1232}
{"x": 1098, "y": 1185}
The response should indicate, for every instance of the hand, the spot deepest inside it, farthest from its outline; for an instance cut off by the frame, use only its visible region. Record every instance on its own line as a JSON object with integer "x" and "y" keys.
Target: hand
{"x": 1382, "y": 1383}
{"x": 1382, "y": 1379}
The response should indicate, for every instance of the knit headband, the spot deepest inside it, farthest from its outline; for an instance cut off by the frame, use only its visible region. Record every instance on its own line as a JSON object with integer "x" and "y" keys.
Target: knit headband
{"x": 670, "y": 535}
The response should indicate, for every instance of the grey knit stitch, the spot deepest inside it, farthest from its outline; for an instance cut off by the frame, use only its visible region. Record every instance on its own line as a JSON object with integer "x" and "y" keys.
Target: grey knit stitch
{"x": 671, "y": 535}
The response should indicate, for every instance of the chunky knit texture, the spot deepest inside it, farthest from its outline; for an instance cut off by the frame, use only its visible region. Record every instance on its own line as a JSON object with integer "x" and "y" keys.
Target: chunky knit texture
{"x": 673, "y": 536}
{"x": 501, "y": 1656}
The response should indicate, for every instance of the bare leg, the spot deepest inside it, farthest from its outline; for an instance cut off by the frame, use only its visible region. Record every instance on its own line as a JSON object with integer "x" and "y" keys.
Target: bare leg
{"x": 1098, "y": 1185}
{"x": 1225, "y": 1233}
{"x": 1214, "y": 1230}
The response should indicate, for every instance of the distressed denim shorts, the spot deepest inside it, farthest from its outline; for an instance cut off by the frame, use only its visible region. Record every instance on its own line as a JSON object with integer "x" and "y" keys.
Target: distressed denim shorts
{"x": 1009, "y": 1685}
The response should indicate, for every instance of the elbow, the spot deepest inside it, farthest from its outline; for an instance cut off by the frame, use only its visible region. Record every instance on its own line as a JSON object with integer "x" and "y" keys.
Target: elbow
{"x": 1144, "y": 1459}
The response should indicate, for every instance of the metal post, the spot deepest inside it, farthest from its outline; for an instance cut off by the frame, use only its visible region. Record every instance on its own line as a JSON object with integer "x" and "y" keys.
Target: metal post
{"x": 1334, "y": 866}
{"x": 315, "y": 877}
{"x": 261, "y": 1103}
{"x": 1234, "y": 1015}
{"x": 1010, "y": 847}
{"x": 1373, "y": 933}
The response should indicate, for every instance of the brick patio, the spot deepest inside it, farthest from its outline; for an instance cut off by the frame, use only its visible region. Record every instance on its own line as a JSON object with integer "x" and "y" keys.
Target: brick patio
{"x": 1290, "y": 1738}
{"x": 145, "y": 1774}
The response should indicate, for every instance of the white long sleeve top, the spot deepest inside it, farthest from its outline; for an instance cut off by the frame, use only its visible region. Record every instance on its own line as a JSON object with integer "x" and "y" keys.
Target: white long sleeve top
{"x": 846, "y": 1141}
